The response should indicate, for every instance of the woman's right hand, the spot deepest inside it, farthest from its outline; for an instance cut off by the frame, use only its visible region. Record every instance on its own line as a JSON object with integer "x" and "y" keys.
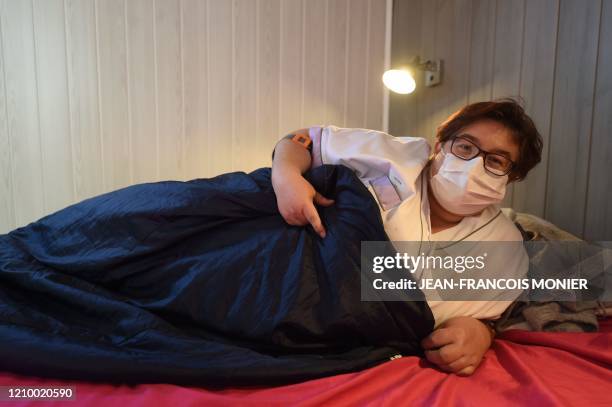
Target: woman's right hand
{"x": 296, "y": 199}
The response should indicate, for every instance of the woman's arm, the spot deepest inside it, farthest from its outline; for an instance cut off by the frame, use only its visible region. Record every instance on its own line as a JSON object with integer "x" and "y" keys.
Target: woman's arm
{"x": 290, "y": 156}
{"x": 458, "y": 345}
{"x": 294, "y": 195}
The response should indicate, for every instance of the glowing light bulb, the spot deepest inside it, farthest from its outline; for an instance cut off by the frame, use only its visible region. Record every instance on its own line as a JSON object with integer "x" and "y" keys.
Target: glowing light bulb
{"x": 399, "y": 81}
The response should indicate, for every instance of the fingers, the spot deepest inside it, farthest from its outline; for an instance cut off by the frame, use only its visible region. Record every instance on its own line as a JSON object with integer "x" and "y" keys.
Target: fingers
{"x": 438, "y": 338}
{"x": 457, "y": 365}
{"x": 294, "y": 218}
{"x": 452, "y": 361}
{"x": 312, "y": 216}
{"x": 466, "y": 371}
{"x": 445, "y": 355}
{"x": 321, "y": 200}
{"x": 300, "y": 210}
{"x": 455, "y": 347}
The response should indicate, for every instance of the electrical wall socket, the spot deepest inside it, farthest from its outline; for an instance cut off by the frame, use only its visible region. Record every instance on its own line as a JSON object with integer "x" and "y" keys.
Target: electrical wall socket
{"x": 433, "y": 75}
{"x": 432, "y": 78}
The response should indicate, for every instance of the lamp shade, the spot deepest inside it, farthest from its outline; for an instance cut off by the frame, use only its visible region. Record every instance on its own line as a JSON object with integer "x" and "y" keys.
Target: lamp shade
{"x": 399, "y": 81}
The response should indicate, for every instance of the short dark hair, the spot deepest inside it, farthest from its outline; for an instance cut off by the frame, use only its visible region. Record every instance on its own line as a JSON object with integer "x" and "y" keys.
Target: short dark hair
{"x": 511, "y": 115}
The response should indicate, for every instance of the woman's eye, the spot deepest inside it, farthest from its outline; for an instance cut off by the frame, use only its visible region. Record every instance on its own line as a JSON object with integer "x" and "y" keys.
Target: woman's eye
{"x": 496, "y": 162}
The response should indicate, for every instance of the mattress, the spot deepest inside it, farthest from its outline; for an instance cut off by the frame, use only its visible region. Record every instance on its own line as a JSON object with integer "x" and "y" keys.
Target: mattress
{"x": 522, "y": 367}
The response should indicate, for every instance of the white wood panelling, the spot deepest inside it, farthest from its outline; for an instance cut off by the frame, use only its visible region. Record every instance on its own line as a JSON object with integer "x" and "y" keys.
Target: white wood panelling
{"x": 195, "y": 89}
{"x": 268, "y": 73}
{"x": 169, "y": 63}
{"x": 22, "y": 114}
{"x": 54, "y": 104}
{"x": 507, "y": 57}
{"x": 574, "y": 87}
{"x": 141, "y": 89}
{"x": 537, "y": 82}
{"x": 245, "y": 93}
{"x": 96, "y": 95}
{"x": 482, "y": 49}
{"x": 7, "y": 196}
{"x": 406, "y": 24}
{"x": 291, "y": 66}
{"x": 113, "y": 93}
{"x": 374, "y": 64}
{"x": 354, "y": 107}
{"x": 598, "y": 216}
{"x": 337, "y": 57}
{"x": 83, "y": 95}
{"x": 555, "y": 56}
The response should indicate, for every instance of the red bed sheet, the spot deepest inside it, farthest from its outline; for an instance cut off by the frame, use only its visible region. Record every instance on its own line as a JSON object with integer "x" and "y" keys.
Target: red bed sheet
{"x": 524, "y": 368}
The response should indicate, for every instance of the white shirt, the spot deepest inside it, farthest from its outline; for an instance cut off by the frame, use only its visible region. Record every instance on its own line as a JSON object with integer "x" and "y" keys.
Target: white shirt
{"x": 392, "y": 170}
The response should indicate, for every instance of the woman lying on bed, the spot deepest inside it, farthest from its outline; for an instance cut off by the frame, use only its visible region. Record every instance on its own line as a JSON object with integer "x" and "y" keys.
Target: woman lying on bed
{"x": 479, "y": 150}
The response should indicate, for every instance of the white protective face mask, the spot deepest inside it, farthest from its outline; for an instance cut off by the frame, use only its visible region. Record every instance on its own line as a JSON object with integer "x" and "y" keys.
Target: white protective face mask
{"x": 465, "y": 187}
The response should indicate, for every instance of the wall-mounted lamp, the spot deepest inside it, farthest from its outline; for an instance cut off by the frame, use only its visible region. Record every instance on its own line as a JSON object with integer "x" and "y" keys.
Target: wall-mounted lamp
{"x": 401, "y": 79}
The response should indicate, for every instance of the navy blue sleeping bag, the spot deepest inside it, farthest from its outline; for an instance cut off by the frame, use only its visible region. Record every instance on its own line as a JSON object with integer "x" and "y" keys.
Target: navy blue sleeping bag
{"x": 199, "y": 283}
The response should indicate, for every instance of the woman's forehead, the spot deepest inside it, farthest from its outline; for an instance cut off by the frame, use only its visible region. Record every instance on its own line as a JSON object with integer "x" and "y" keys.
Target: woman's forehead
{"x": 493, "y": 137}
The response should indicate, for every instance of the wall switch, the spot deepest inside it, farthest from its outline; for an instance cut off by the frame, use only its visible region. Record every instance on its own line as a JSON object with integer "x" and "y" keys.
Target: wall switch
{"x": 433, "y": 75}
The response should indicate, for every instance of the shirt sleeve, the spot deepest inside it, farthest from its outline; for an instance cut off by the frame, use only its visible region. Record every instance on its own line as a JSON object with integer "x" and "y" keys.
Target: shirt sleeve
{"x": 367, "y": 152}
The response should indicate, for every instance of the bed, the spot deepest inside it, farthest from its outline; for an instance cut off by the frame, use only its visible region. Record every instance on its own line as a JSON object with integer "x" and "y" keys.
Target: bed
{"x": 522, "y": 367}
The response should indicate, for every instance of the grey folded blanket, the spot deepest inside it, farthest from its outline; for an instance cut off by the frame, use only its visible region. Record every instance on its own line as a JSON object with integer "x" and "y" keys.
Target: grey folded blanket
{"x": 554, "y": 316}
{"x": 581, "y": 316}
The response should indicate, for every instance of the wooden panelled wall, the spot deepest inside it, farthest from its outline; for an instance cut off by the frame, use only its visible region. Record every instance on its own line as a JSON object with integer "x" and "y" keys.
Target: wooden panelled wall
{"x": 99, "y": 94}
{"x": 557, "y": 56}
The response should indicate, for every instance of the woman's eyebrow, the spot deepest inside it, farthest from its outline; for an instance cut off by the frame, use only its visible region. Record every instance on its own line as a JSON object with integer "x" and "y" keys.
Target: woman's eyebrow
{"x": 496, "y": 150}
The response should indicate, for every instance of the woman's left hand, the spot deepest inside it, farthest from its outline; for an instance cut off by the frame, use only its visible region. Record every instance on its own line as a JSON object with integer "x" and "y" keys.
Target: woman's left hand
{"x": 458, "y": 345}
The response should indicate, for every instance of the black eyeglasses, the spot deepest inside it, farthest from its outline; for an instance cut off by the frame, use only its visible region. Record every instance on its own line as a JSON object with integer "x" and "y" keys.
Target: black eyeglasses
{"x": 494, "y": 163}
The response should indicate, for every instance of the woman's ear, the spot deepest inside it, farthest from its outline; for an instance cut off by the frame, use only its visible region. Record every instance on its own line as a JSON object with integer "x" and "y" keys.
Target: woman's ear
{"x": 437, "y": 147}
{"x": 511, "y": 178}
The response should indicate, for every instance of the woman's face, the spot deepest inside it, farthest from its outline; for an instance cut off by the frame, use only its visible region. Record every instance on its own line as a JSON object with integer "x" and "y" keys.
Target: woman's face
{"x": 490, "y": 136}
